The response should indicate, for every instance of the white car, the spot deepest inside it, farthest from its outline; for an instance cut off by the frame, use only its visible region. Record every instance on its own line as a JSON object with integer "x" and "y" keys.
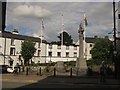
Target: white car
{"x": 10, "y": 69}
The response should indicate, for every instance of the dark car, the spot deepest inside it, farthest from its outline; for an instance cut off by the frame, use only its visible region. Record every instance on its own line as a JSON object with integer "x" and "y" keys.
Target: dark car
{"x": 3, "y": 68}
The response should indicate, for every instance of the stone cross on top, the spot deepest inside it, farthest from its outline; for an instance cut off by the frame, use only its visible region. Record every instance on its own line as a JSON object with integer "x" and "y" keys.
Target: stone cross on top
{"x": 81, "y": 29}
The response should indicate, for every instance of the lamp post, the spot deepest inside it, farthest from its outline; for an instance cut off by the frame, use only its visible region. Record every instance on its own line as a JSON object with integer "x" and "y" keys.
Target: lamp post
{"x": 114, "y": 36}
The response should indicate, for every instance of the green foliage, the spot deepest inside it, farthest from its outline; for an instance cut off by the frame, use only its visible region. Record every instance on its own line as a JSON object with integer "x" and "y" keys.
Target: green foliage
{"x": 67, "y": 39}
{"x": 102, "y": 50}
{"x": 70, "y": 63}
{"x": 43, "y": 64}
{"x": 27, "y": 50}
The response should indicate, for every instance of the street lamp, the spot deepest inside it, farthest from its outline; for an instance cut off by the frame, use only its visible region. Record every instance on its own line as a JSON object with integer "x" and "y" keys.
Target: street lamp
{"x": 114, "y": 36}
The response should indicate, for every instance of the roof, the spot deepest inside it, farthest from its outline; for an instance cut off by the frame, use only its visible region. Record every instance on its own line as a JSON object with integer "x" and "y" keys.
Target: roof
{"x": 7, "y": 34}
{"x": 90, "y": 39}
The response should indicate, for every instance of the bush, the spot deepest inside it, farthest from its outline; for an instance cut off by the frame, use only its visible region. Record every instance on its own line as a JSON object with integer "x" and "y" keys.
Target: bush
{"x": 70, "y": 63}
{"x": 43, "y": 64}
{"x": 97, "y": 62}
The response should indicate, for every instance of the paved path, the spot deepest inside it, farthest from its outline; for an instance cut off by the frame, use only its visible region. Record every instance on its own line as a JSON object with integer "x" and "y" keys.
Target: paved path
{"x": 21, "y": 78}
{"x": 59, "y": 81}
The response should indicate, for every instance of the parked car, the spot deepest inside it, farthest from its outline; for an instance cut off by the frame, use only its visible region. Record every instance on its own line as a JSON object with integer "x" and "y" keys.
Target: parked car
{"x": 10, "y": 69}
{"x": 3, "y": 68}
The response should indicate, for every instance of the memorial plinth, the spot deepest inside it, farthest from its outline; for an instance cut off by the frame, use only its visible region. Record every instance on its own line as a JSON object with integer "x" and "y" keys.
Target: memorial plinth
{"x": 81, "y": 66}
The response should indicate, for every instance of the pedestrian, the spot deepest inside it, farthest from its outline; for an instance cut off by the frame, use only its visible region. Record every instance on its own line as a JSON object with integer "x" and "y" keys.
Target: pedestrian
{"x": 15, "y": 71}
{"x": 89, "y": 71}
{"x": 102, "y": 72}
{"x": 16, "y": 68}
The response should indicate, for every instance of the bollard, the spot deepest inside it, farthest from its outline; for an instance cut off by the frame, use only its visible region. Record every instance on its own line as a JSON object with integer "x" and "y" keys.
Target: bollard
{"x": 26, "y": 71}
{"x": 19, "y": 69}
{"x": 23, "y": 69}
{"x": 40, "y": 72}
{"x": 71, "y": 72}
{"x": 54, "y": 72}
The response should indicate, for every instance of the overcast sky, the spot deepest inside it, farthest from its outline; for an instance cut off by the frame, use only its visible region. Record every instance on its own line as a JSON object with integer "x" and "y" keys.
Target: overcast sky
{"x": 27, "y": 17}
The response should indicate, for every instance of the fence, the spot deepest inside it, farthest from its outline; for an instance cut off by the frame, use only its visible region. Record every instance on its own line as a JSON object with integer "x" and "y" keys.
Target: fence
{"x": 53, "y": 71}
{"x": 47, "y": 70}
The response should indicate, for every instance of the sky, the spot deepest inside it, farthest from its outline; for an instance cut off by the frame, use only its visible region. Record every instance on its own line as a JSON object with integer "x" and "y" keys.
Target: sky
{"x": 27, "y": 17}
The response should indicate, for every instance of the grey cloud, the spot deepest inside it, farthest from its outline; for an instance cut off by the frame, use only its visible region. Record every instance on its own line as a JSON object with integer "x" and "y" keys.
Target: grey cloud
{"x": 31, "y": 11}
{"x": 99, "y": 15}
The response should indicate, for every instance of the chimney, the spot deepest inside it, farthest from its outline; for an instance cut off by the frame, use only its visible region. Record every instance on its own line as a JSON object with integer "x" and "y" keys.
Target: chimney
{"x": 15, "y": 31}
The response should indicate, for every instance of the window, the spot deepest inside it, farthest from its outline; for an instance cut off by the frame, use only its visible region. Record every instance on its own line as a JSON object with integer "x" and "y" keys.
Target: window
{"x": 118, "y": 16}
{"x": 50, "y": 46}
{"x": 59, "y": 54}
{"x": 59, "y": 47}
{"x": 39, "y": 52}
{"x": 39, "y": 45}
{"x": 12, "y": 51}
{"x": 50, "y": 54}
{"x": 67, "y": 54}
{"x": 90, "y": 45}
{"x": 75, "y": 47}
{"x": 12, "y": 42}
{"x": 67, "y": 47}
{"x": 75, "y": 54}
{"x": 90, "y": 52}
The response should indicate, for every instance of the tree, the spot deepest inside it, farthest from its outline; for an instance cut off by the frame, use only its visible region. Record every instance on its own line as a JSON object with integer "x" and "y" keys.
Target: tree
{"x": 102, "y": 50}
{"x": 27, "y": 51}
{"x": 67, "y": 39}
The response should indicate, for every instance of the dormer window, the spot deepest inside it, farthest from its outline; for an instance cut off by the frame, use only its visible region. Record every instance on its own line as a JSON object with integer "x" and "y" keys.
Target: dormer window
{"x": 75, "y": 47}
{"x": 67, "y": 47}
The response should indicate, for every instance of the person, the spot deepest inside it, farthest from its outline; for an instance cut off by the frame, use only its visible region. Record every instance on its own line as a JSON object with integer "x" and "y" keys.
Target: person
{"x": 16, "y": 69}
{"x": 89, "y": 71}
{"x": 102, "y": 72}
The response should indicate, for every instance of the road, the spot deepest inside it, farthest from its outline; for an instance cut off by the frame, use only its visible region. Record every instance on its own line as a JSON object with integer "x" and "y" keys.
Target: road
{"x": 16, "y": 82}
{"x": 19, "y": 85}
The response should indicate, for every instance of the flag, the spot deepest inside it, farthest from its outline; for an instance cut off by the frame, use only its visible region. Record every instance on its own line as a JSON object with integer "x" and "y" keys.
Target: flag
{"x": 42, "y": 24}
{"x": 85, "y": 21}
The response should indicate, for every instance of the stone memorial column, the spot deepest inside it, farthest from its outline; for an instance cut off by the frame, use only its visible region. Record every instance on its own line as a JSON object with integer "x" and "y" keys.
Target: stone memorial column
{"x": 81, "y": 62}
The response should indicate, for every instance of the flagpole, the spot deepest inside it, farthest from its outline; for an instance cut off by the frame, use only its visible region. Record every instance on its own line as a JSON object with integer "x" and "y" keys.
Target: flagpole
{"x": 62, "y": 31}
{"x": 41, "y": 38}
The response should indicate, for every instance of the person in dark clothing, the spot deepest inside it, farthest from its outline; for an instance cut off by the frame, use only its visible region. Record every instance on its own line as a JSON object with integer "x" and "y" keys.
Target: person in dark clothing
{"x": 16, "y": 71}
{"x": 102, "y": 72}
{"x": 89, "y": 71}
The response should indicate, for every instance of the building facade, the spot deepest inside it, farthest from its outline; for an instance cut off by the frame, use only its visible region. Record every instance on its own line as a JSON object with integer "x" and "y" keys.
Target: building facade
{"x": 118, "y": 31}
{"x": 10, "y": 47}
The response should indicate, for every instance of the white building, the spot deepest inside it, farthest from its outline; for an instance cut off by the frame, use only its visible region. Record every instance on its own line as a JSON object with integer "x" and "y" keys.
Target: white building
{"x": 10, "y": 47}
{"x": 118, "y": 31}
